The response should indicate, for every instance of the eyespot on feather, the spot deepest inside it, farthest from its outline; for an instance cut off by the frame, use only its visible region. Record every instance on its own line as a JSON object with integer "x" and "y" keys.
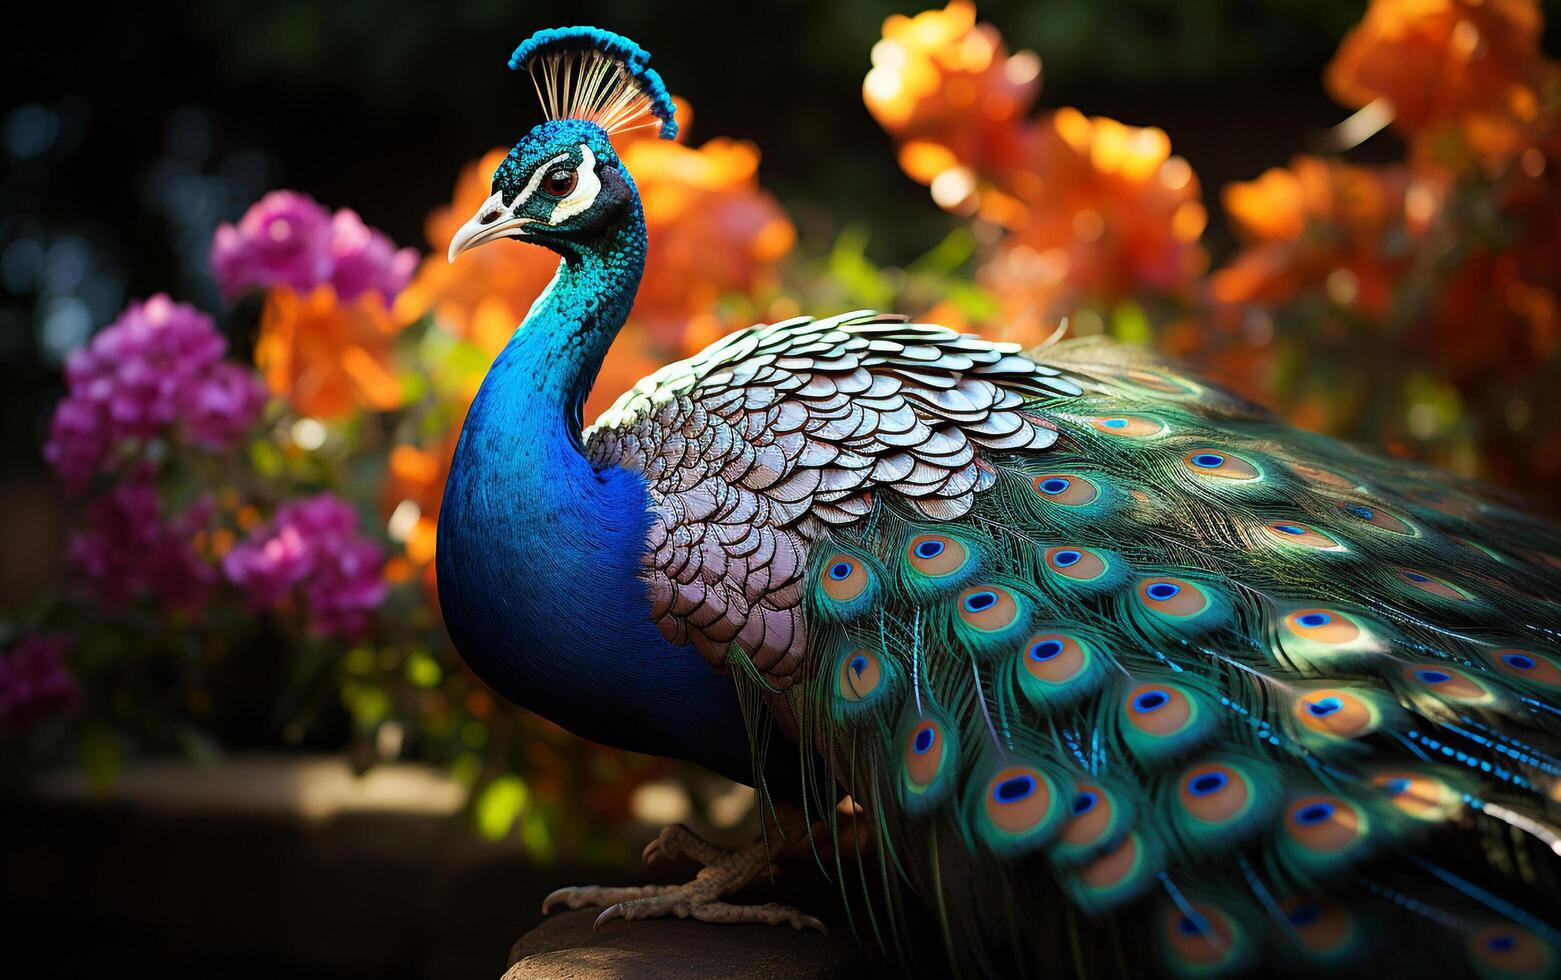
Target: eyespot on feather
{"x": 1091, "y": 818}
{"x": 1295, "y": 534}
{"x": 1054, "y": 658}
{"x": 1336, "y": 712}
{"x": 1065, "y": 489}
{"x": 1129, "y": 426}
{"x": 1418, "y": 795}
{"x": 860, "y": 675}
{"x": 1321, "y": 927}
{"x": 988, "y": 608}
{"x": 1077, "y": 563}
{"x": 1018, "y": 799}
{"x": 1430, "y": 584}
{"x": 1317, "y": 474}
{"x": 1166, "y": 384}
{"x": 1117, "y": 876}
{"x": 1506, "y": 952}
{"x": 1114, "y": 867}
{"x": 1327, "y": 825}
{"x": 1379, "y": 517}
{"x": 1528, "y": 666}
{"x": 1158, "y": 709}
{"x": 1447, "y": 682}
{"x": 929, "y": 755}
{"x": 936, "y": 555}
{"x": 1219, "y": 464}
{"x": 845, "y": 578}
{"x": 1206, "y": 942}
{"x": 844, "y": 585}
{"x": 1214, "y": 793}
{"x": 1172, "y": 597}
{"x": 1321, "y": 625}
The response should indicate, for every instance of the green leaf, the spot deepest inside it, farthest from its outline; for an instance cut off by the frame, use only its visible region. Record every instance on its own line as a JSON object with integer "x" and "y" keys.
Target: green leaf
{"x": 423, "y": 670}
{"x": 99, "y": 757}
{"x": 863, "y": 281}
{"x": 1130, "y": 324}
{"x": 500, "y": 805}
{"x": 947, "y": 256}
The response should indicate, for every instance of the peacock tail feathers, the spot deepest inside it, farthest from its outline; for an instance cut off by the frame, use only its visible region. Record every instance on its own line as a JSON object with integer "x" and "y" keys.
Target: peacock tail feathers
{"x": 1272, "y": 698}
{"x": 1113, "y": 661}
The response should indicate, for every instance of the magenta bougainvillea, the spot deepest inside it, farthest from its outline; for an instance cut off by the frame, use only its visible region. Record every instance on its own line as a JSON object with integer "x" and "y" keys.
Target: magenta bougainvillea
{"x": 34, "y": 682}
{"x": 288, "y": 239}
{"x": 312, "y": 551}
{"x": 155, "y": 372}
{"x": 130, "y": 550}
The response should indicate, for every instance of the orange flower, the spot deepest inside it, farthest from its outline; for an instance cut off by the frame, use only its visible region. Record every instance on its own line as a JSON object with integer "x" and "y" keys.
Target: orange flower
{"x": 1442, "y": 61}
{"x": 949, "y": 91}
{"x": 1325, "y": 225}
{"x": 484, "y": 296}
{"x": 1108, "y": 213}
{"x": 712, "y": 231}
{"x": 413, "y": 494}
{"x": 328, "y": 357}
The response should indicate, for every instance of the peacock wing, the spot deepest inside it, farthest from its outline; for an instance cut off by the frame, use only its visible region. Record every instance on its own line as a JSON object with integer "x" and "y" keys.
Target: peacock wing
{"x": 754, "y": 448}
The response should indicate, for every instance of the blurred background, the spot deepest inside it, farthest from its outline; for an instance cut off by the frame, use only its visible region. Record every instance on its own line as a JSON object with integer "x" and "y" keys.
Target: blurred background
{"x": 233, "y": 361}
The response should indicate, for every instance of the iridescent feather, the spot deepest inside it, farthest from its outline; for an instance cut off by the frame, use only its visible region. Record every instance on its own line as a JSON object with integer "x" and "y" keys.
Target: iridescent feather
{"x": 1078, "y": 629}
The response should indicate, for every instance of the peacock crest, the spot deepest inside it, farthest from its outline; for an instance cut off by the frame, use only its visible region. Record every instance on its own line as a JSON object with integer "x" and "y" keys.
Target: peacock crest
{"x": 598, "y": 77}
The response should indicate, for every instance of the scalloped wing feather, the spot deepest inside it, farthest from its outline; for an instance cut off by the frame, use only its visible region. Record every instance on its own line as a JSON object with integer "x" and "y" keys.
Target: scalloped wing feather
{"x": 755, "y": 446}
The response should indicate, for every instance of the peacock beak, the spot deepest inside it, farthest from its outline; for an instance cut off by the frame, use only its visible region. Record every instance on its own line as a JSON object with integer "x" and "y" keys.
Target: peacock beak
{"x": 492, "y": 221}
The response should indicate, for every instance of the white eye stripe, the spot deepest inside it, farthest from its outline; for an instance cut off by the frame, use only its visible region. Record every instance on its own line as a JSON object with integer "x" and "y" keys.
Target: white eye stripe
{"x": 587, "y": 186}
{"x": 534, "y": 182}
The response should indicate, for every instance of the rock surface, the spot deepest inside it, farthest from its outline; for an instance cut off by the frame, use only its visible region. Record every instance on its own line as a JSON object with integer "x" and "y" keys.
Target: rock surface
{"x": 565, "y": 948}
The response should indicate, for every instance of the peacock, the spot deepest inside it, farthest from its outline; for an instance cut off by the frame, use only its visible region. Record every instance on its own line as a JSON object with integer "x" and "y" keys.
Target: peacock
{"x": 1120, "y": 674}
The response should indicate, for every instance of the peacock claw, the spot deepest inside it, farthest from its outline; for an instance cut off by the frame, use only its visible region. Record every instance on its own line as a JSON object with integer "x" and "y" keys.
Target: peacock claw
{"x": 724, "y": 872}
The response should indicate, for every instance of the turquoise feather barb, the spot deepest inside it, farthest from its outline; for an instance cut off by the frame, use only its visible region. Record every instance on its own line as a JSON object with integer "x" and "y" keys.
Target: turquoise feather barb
{"x": 1124, "y": 674}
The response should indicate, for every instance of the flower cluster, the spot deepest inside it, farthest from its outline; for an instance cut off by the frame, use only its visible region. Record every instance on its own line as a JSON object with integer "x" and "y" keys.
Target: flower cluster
{"x": 1327, "y": 226}
{"x": 312, "y": 551}
{"x": 156, "y": 369}
{"x": 947, "y": 89}
{"x": 1463, "y": 80}
{"x": 129, "y": 550}
{"x": 288, "y": 239}
{"x": 1097, "y": 212}
{"x": 328, "y": 357}
{"x": 34, "y": 681}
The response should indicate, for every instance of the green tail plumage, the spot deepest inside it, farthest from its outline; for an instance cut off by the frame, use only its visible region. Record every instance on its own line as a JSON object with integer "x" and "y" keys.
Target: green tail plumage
{"x": 1269, "y": 699}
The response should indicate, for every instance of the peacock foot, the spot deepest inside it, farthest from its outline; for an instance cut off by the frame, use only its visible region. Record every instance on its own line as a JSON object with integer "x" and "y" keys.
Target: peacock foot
{"x": 724, "y": 872}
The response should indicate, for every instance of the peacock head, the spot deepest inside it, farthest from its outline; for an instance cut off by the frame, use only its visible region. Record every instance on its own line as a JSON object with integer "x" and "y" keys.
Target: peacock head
{"x": 562, "y": 186}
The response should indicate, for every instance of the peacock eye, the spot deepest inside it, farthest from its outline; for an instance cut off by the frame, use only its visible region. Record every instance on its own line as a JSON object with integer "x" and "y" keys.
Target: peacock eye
{"x": 560, "y": 182}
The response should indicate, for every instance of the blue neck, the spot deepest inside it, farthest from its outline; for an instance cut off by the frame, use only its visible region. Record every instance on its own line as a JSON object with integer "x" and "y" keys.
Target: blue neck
{"x": 539, "y": 553}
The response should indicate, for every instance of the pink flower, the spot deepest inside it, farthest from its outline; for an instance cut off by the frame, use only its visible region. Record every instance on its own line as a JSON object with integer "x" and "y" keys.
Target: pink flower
{"x": 128, "y": 551}
{"x": 159, "y": 364}
{"x": 288, "y": 239}
{"x": 219, "y": 408}
{"x": 311, "y": 549}
{"x": 283, "y": 238}
{"x": 34, "y": 682}
{"x": 366, "y": 258}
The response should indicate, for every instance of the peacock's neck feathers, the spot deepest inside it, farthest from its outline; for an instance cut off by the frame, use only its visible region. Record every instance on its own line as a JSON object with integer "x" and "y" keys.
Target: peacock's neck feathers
{"x": 539, "y": 551}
